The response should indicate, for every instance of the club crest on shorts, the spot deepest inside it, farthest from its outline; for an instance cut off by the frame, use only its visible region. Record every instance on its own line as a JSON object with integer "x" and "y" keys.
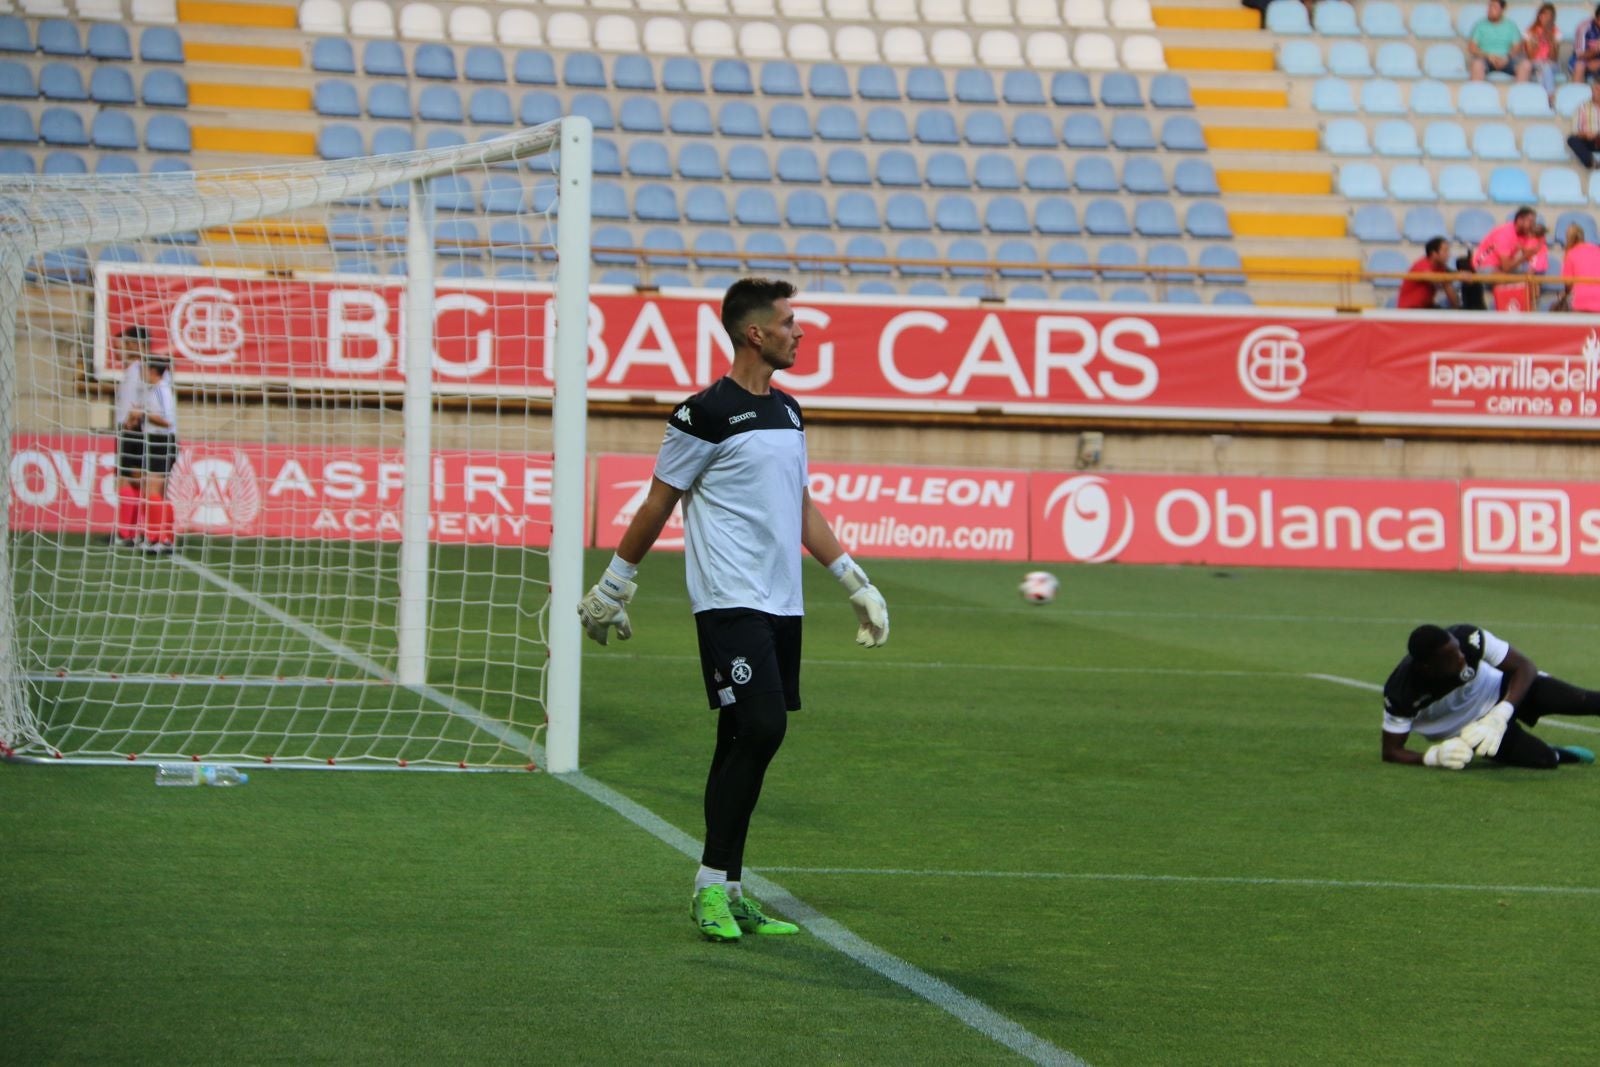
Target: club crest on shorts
{"x": 740, "y": 671}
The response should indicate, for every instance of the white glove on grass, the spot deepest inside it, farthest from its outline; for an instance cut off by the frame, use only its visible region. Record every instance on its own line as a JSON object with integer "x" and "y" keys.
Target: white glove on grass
{"x": 871, "y": 610}
{"x": 1453, "y": 754}
{"x": 606, "y": 605}
{"x": 1484, "y": 734}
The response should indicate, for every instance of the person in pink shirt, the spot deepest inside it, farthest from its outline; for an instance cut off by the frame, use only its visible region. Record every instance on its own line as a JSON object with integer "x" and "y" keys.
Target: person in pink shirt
{"x": 1583, "y": 261}
{"x": 1503, "y": 249}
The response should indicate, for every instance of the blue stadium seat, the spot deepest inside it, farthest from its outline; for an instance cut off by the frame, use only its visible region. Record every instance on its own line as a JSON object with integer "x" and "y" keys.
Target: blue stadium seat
{"x": 1094, "y": 174}
{"x": 1206, "y": 218}
{"x": 1022, "y": 88}
{"x": 779, "y": 77}
{"x": 877, "y": 82}
{"x": 936, "y": 126}
{"x": 1380, "y": 18}
{"x": 334, "y": 141}
{"x": 1444, "y": 62}
{"x": 1374, "y": 222}
{"x": 633, "y": 73}
{"x": 1495, "y": 141}
{"x": 1422, "y": 224}
{"x": 756, "y": 207}
{"x": 1006, "y": 214}
{"x": 1472, "y": 225}
{"x": 583, "y": 70}
{"x": 1332, "y": 96}
{"x": 352, "y": 232}
{"x": 856, "y": 211}
{"x": 333, "y": 55}
{"x": 64, "y": 162}
{"x": 595, "y": 108}
{"x": 1479, "y": 99}
{"x": 14, "y": 35}
{"x": 1396, "y": 138}
{"x": 1397, "y": 59}
{"x": 510, "y": 239}
{"x": 606, "y": 159}
{"x": 435, "y": 61}
{"x": 612, "y": 237}
{"x": 1172, "y": 256}
{"x": 829, "y": 81}
{"x": 995, "y": 171}
{"x": 971, "y": 250}
{"x": 917, "y": 248}
{"x": 1080, "y": 294}
{"x": 837, "y": 122}
{"x": 118, "y": 253}
{"x": 1107, "y": 218}
{"x": 1567, "y": 218}
{"x": 483, "y": 64}
{"x": 690, "y": 118}
{"x": 1181, "y": 133}
{"x": 1022, "y": 255}
{"x": 1083, "y": 131}
{"x": 329, "y": 98}
{"x": 385, "y": 100}
{"x": 1221, "y": 260}
{"x": 699, "y": 161}
{"x": 16, "y": 80}
{"x": 681, "y": 74}
{"x": 738, "y": 119}
{"x": 1527, "y": 100}
{"x": 1043, "y": 173}
{"x": 109, "y": 41}
{"x": 71, "y": 264}
{"x": 1510, "y": 185}
{"x": 848, "y": 166}
{"x": 1170, "y": 91}
{"x": 907, "y": 211}
{"x": 799, "y": 165}
{"x": 865, "y": 247}
{"x": 1129, "y": 294}
{"x": 1349, "y": 59}
{"x": 16, "y": 124}
{"x": 490, "y": 107}
{"x": 164, "y": 88}
{"x": 1411, "y": 182}
{"x": 984, "y": 129}
{"x": 1055, "y": 216}
{"x": 1387, "y": 261}
{"x": 1543, "y": 143}
{"x": 925, "y": 84}
{"x": 61, "y": 81}
{"x": 114, "y": 129}
{"x": 608, "y": 201}
{"x": 1177, "y": 294}
{"x": 1380, "y": 96}
{"x": 59, "y": 37}
{"x": 648, "y": 159}
{"x": 1143, "y": 176}
{"x": 529, "y": 67}
{"x": 1070, "y": 88}
{"x": 389, "y": 140}
{"x": 749, "y": 163}
{"x": 383, "y": 59}
{"x": 1459, "y": 184}
{"x": 59, "y": 125}
{"x": 805, "y": 209}
{"x": 948, "y": 170}
{"x": 1233, "y": 296}
{"x": 1283, "y": 17}
{"x": 1068, "y": 259}
{"x": 1195, "y": 177}
{"x": 705, "y": 204}
{"x": 1303, "y": 58}
{"x": 16, "y": 161}
{"x": 1445, "y": 140}
{"x": 1033, "y": 130}
{"x": 816, "y": 244}
{"x": 1346, "y": 137}
{"x": 1132, "y": 133}
{"x": 732, "y": 76}
{"x": 453, "y": 192}
{"x": 713, "y": 250}
{"x": 899, "y": 168}
{"x": 1120, "y": 89}
{"x": 1570, "y": 96}
{"x": 1432, "y": 98}
{"x": 887, "y": 125}
{"x": 640, "y": 114}
{"x": 655, "y": 203}
{"x": 956, "y": 213}
{"x": 975, "y": 85}
{"x": 1432, "y": 22}
{"x": 789, "y": 122}
{"x": 1156, "y": 218}
{"x": 1559, "y": 186}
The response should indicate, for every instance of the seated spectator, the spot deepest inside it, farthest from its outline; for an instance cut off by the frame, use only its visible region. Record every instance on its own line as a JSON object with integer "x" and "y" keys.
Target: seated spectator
{"x": 1586, "y": 128}
{"x": 1423, "y": 293}
{"x": 1583, "y": 261}
{"x": 1542, "y": 45}
{"x": 1471, "y": 291}
{"x": 1495, "y": 45}
{"x": 1514, "y": 247}
{"x": 1585, "y": 61}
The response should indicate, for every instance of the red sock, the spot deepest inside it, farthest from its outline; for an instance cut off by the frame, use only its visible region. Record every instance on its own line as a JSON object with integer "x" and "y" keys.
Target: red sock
{"x": 158, "y": 520}
{"x": 129, "y": 512}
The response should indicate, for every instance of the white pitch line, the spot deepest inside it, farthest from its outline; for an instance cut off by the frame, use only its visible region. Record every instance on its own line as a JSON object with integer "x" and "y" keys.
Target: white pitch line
{"x": 109, "y": 678}
{"x": 937, "y": 665}
{"x": 968, "y": 1010}
{"x": 1185, "y": 879}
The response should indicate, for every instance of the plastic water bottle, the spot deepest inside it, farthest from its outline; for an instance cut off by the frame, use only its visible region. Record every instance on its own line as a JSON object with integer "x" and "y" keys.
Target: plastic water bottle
{"x": 192, "y": 774}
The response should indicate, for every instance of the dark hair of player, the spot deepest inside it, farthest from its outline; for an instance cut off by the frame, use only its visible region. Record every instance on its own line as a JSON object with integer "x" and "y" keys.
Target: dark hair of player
{"x": 137, "y": 334}
{"x": 747, "y": 296}
{"x": 1425, "y": 641}
{"x": 1433, "y": 245}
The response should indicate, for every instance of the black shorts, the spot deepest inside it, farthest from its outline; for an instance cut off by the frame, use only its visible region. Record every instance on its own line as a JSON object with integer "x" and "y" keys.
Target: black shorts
{"x": 745, "y": 652}
{"x": 160, "y": 453}
{"x": 130, "y": 453}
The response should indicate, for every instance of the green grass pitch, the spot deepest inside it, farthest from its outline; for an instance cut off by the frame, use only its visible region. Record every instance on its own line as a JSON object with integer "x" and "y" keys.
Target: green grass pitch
{"x": 1127, "y": 821}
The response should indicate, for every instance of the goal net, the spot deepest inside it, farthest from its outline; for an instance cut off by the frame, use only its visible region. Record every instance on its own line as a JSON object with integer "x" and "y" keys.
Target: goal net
{"x": 365, "y": 548}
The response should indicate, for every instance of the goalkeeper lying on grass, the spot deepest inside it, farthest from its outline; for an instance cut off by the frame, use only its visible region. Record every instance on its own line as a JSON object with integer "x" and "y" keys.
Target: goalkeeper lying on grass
{"x": 1470, "y": 694}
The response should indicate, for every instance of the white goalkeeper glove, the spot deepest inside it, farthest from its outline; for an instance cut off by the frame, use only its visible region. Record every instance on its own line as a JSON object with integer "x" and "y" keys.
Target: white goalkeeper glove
{"x": 1453, "y": 754}
{"x": 1484, "y": 733}
{"x": 606, "y": 605}
{"x": 871, "y": 611}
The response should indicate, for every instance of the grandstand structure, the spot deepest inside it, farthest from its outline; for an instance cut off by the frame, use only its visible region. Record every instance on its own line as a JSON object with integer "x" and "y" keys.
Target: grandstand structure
{"x": 1064, "y": 149}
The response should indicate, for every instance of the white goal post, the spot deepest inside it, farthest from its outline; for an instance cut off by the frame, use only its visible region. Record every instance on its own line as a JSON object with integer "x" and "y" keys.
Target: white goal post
{"x": 377, "y": 510}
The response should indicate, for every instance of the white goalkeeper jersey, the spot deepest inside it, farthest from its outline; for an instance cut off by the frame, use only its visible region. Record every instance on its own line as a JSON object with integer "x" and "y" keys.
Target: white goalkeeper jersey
{"x": 162, "y": 399}
{"x": 130, "y": 391}
{"x": 740, "y": 460}
{"x": 1436, "y": 712}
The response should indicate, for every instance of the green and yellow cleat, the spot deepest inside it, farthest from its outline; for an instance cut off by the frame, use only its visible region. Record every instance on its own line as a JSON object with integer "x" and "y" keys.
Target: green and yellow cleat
{"x": 712, "y": 917}
{"x": 752, "y": 920}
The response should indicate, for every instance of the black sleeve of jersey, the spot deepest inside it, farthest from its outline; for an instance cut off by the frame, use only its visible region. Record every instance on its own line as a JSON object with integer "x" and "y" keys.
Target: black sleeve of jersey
{"x": 1395, "y": 699}
{"x": 694, "y": 417}
{"x": 1470, "y": 638}
{"x": 794, "y": 406}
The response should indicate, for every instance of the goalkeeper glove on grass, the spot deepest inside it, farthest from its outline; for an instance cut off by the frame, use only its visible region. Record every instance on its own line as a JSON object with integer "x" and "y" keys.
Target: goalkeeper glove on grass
{"x": 1453, "y": 754}
{"x": 606, "y": 605}
{"x": 871, "y": 611}
{"x": 1484, "y": 734}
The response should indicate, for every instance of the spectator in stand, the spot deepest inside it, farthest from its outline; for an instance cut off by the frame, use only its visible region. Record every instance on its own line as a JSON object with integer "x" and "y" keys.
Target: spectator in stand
{"x": 1515, "y": 247}
{"x": 1471, "y": 291}
{"x": 1495, "y": 45}
{"x": 1583, "y": 261}
{"x": 1585, "y": 61}
{"x": 1586, "y": 128}
{"x": 1542, "y": 44}
{"x": 1424, "y": 293}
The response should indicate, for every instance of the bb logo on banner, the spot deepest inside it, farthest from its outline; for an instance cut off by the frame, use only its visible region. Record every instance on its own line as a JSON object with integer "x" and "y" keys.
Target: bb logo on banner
{"x": 1272, "y": 364}
{"x": 206, "y": 326}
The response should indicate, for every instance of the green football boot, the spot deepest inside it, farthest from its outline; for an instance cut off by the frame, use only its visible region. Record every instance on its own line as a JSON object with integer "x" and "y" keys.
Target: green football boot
{"x": 1573, "y": 754}
{"x": 752, "y": 920}
{"x": 709, "y": 910}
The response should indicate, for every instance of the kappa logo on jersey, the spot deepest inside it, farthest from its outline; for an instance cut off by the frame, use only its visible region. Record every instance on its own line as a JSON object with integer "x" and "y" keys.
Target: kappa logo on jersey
{"x": 1093, "y": 529}
{"x": 216, "y": 494}
{"x": 732, "y": 419}
{"x": 682, "y": 414}
{"x": 741, "y": 671}
{"x": 1476, "y": 640}
{"x": 792, "y": 416}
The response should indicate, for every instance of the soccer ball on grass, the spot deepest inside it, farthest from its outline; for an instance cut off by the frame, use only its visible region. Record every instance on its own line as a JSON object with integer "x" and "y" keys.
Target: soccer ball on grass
{"x": 1038, "y": 587}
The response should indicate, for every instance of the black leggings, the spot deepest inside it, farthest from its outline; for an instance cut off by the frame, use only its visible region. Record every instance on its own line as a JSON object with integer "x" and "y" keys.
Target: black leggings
{"x": 748, "y": 735}
{"x": 1547, "y": 696}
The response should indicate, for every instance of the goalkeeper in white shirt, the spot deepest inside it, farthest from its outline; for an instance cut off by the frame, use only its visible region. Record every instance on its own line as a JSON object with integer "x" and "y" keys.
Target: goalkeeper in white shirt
{"x": 735, "y": 455}
{"x": 1472, "y": 696}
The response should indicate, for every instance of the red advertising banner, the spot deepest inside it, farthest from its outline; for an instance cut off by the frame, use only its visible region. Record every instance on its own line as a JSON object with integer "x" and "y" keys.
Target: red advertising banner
{"x": 1264, "y": 522}
{"x": 886, "y": 354}
{"x": 1530, "y": 526}
{"x": 68, "y": 484}
{"x": 907, "y": 512}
